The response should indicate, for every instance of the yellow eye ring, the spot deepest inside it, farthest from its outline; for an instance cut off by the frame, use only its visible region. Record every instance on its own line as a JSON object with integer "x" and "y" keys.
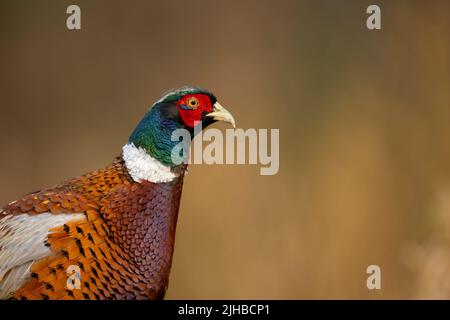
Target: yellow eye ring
{"x": 192, "y": 103}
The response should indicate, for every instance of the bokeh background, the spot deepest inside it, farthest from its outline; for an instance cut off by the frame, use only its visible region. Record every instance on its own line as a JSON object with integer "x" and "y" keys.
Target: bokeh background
{"x": 363, "y": 116}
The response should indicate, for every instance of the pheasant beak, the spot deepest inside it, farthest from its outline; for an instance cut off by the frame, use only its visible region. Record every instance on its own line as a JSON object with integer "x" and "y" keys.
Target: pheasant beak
{"x": 219, "y": 113}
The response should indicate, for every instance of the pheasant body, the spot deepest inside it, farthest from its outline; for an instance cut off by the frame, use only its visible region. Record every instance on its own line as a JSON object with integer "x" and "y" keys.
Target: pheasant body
{"x": 115, "y": 226}
{"x": 123, "y": 247}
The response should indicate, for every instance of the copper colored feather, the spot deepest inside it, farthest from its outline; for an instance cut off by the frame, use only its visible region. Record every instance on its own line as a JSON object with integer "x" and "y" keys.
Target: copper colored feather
{"x": 124, "y": 247}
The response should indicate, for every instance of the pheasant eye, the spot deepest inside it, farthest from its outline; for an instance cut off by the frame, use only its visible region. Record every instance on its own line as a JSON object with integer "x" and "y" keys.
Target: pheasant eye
{"x": 192, "y": 103}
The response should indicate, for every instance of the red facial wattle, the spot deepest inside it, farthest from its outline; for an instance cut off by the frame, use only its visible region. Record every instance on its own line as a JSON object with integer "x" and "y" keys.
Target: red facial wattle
{"x": 190, "y": 114}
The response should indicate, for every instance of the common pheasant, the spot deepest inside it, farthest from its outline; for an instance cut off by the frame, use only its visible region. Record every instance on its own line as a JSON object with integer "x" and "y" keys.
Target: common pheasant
{"x": 114, "y": 228}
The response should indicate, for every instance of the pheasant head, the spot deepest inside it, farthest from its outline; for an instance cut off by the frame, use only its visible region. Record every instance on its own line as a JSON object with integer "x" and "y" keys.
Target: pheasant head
{"x": 182, "y": 108}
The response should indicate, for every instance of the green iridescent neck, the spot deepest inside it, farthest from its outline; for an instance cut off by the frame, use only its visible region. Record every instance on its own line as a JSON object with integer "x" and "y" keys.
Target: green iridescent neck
{"x": 153, "y": 134}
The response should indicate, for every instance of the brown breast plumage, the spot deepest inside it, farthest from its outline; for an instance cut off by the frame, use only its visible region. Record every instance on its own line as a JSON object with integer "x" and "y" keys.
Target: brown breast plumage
{"x": 122, "y": 248}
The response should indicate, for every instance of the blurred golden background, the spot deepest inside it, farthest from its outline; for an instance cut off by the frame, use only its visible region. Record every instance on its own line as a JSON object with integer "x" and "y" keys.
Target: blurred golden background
{"x": 363, "y": 116}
